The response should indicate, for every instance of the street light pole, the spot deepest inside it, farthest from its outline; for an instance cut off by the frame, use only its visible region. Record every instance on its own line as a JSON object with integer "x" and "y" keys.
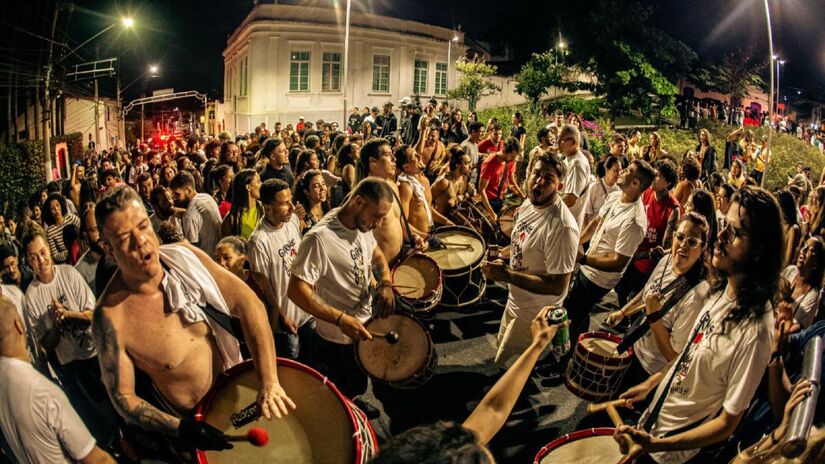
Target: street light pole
{"x": 346, "y": 63}
{"x": 778, "y": 90}
{"x": 47, "y": 135}
{"x": 770, "y": 106}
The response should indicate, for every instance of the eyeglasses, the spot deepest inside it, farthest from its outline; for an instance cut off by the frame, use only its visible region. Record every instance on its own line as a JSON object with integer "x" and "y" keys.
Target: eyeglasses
{"x": 691, "y": 242}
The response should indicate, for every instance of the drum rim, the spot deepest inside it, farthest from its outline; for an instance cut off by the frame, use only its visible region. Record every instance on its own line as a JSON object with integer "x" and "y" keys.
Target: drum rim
{"x": 431, "y": 294}
{"x": 423, "y": 366}
{"x": 245, "y": 366}
{"x": 469, "y": 267}
{"x": 503, "y": 214}
{"x": 573, "y": 436}
{"x": 621, "y": 361}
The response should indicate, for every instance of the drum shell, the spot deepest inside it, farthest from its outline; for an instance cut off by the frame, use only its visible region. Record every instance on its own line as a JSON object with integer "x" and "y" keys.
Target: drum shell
{"x": 468, "y": 214}
{"x": 365, "y": 440}
{"x": 461, "y": 282}
{"x": 426, "y": 303}
{"x": 575, "y": 436}
{"x": 420, "y": 376}
{"x": 592, "y": 376}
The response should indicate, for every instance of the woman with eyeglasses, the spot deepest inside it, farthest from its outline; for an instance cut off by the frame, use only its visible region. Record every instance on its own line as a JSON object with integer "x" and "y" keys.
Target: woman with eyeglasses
{"x": 668, "y": 334}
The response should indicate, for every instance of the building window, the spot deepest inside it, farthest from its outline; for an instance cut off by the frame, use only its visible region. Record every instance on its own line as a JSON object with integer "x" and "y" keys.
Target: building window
{"x": 420, "y": 77}
{"x": 441, "y": 78}
{"x": 244, "y": 77}
{"x": 299, "y": 72}
{"x": 331, "y": 72}
{"x": 381, "y": 73}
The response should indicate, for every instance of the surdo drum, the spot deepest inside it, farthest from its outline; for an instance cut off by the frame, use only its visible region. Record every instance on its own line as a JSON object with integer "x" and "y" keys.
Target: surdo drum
{"x": 325, "y": 427}
{"x": 460, "y": 263}
{"x": 417, "y": 282}
{"x": 596, "y": 370}
{"x": 470, "y": 214}
{"x": 592, "y": 446}
{"x": 408, "y": 363}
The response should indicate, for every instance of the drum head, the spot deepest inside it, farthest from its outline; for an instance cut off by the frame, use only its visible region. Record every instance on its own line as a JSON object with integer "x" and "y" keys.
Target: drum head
{"x": 464, "y": 248}
{"x": 319, "y": 430}
{"x": 603, "y": 347}
{"x": 507, "y": 220}
{"x": 416, "y": 277}
{"x": 395, "y": 362}
{"x": 594, "y": 446}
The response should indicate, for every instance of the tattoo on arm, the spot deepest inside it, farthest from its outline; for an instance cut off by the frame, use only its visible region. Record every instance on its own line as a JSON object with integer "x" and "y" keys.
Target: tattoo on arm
{"x": 133, "y": 408}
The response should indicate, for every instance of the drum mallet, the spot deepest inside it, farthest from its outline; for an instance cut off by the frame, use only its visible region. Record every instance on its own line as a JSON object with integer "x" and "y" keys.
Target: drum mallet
{"x": 257, "y": 436}
{"x": 391, "y": 336}
{"x": 803, "y": 414}
{"x": 610, "y": 406}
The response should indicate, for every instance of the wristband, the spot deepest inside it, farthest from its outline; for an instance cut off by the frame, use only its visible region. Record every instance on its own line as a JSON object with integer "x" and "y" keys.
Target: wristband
{"x": 338, "y": 321}
{"x": 654, "y": 317}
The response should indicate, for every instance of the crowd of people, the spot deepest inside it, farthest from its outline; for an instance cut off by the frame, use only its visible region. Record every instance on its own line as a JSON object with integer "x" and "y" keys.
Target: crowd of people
{"x": 128, "y": 288}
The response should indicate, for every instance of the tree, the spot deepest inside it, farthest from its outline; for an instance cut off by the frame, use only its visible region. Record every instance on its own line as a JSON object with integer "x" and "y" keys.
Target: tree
{"x": 635, "y": 64}
{"x": 733, "y": 75}
{"x": 473, "y": 81}
{"x": 540, "y": 73}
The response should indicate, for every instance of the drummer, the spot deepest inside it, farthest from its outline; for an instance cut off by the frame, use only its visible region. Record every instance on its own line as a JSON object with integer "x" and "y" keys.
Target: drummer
{"x": 331, "y": 279}
{"x": 542, "y": 255}
{"x": 414, "y": 191}
{"x": 702, "y": 395}
{"x": 150, "y": 318}
{"x": 668, "y": 334}
{"x": 377, "y": 160}
{"x": 454, "y": 186}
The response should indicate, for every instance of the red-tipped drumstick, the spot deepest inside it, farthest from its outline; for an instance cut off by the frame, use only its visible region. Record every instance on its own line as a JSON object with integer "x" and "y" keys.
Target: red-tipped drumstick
{"x": 256, "y": 435}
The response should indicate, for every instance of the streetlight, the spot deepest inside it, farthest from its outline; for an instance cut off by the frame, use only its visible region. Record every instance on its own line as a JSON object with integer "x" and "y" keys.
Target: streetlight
{"x": 153, "y": 69}
{"x": 778, "y": 90}
{"x": 449, "y": 63}
{"x": 770, "y": 105}
{"x": 560, "y": 46}
{"x": 47, "y": 155}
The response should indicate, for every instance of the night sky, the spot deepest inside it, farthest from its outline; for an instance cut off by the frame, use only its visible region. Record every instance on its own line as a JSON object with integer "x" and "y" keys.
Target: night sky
{"x": 186, "y": 37}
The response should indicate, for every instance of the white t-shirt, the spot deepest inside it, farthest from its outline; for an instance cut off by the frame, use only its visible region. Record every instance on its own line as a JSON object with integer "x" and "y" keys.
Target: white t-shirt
{"x": 544, "y": 240}
{"x": 155, "y": 221}
{"x": 596, "y": 196}
{"x": 576, "y": 181}
{"x": 337, "y": 261}
{"x": 722, "y": 369}
{"x": 806, "y": 306}
{"x": 87, "y": 267}
{"x": 678, "y": 321}
{"x": 15, "y": 296}
{"x": 621, "y": 229}
{"x": 36, "y": 418}
{"x": 271, "y": 252}
{"x": 70, "y": 290}
{"x": 471, "y": 149}
{"x": 202, "y": 223}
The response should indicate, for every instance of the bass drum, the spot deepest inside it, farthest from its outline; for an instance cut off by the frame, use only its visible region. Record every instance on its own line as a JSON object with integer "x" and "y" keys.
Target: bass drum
{"x": 460, "y": 263}
{"x": 325, "y": 427}
{"x": 470, "y": 213}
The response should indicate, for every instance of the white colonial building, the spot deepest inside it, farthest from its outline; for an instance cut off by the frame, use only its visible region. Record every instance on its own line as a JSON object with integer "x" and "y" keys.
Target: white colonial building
{"x": 286, "y": 61}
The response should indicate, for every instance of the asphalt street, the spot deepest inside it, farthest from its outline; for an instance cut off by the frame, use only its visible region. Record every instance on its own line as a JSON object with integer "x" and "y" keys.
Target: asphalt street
{"x": 465, "y": 341}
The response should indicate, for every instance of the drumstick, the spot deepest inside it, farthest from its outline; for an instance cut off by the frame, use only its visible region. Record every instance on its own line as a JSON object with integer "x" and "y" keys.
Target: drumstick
{"x": 456, "y": 245}
{"x": 391, "y": 336}
{"x": 257, "y": 436}
{"x": 633, "y": 448}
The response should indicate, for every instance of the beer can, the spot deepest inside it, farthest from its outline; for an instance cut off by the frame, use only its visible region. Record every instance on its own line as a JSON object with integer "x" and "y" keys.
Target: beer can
{"x": 493, "y": 252}
{"x": 560, "y": 344}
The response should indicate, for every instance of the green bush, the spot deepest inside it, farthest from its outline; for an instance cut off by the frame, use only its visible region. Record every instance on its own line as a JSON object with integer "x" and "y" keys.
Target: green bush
{"x": 598, "y": 129}
{"x": 21, "y": 173}
{"x": 786, "y": 150}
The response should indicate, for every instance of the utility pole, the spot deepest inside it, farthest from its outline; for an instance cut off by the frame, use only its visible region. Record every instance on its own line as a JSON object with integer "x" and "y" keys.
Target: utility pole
{"x": 142, "y": 140}
{"x": 97, "y": 104}
{"x": 47, "y": 149}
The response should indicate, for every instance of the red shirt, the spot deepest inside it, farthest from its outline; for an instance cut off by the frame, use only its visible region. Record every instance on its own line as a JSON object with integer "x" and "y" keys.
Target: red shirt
{"x": 487, "y": 146}
{"x": 492, "y": 169}
{"x": 657, "y": 215}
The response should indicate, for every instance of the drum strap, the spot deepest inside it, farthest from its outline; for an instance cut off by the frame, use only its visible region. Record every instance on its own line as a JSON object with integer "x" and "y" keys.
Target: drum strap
{"x": 680, "y": 287}
{"x": 503, "y": 180}
{"x": 654, "y": 413}
{"x": 410, "y": 242}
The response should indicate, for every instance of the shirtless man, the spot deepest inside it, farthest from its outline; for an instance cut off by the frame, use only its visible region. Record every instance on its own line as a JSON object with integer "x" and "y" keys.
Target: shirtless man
{"x": 414, "y": 190}
{"x": 377, "y": 160}
{"x": 148, "y": 319}
{"x": 452, "y": 187}
{"x": 431, "y": 149}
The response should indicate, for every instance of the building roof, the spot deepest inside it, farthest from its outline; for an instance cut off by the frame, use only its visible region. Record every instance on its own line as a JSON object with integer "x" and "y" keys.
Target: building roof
{"x": 292, "y": 14}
